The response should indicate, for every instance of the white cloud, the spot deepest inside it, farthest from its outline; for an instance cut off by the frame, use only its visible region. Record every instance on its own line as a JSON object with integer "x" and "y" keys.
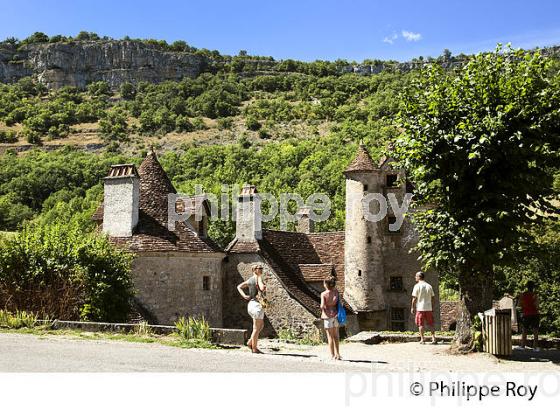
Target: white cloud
{"x": 391, "y": 39}
{"x": 410, "y": 36}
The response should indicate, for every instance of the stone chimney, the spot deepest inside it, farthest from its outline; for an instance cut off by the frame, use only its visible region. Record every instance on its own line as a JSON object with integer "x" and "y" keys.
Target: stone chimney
{"x": 121, "y": 199}
{"x": 248, "y": 218}
{"x": 305, "y": 223}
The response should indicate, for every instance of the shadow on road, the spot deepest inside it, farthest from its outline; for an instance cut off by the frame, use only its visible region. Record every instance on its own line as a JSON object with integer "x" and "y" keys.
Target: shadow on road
{"x": 364, "y": 361}
{"x": 528, "y": 355}
{"x": 307, "y": 356}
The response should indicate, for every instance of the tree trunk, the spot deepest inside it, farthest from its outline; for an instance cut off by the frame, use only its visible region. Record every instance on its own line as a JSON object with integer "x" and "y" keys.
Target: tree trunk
{"x": 477, "y": 294}
{"x": 477, "y": 290}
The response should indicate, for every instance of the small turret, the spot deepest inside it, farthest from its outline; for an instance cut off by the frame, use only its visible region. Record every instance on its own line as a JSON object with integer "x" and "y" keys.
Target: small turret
{"x": 363, "y": 243}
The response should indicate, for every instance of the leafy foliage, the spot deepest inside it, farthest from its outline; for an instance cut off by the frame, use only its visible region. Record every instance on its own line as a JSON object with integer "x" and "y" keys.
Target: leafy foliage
{"x": 28, "y": 181}
{"x": 65, "y": 272}
{"x": 481, "y": 145}
{"x": 542, "y": 266}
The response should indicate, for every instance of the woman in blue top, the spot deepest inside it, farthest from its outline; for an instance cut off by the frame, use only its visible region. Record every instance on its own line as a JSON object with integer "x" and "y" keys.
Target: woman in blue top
{"x": 329, "y": 312}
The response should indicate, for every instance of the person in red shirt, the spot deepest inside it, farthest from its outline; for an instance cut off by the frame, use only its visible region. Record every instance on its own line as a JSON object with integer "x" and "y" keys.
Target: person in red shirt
{"x": 530, "y": 315}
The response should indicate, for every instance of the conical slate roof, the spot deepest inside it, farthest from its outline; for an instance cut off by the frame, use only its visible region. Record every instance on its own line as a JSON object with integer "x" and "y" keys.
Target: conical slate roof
{"x": 362, "y": 162}
{"x": 154, "y": 188}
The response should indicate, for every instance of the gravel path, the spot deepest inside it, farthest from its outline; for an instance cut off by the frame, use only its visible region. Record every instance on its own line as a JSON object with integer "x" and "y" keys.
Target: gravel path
{"x": 32, "y": 353}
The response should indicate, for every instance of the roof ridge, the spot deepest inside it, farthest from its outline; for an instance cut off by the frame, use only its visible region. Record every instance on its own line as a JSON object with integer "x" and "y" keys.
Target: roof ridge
{"x": 298, "y": 289}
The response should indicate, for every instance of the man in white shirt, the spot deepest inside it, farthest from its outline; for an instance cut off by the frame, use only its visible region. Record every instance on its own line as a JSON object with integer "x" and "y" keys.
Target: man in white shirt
{"x": 423, "y": 297}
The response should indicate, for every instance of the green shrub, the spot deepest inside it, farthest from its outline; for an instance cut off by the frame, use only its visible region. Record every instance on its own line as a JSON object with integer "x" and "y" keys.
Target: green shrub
{"x": 225, "y": 123}
{"x": 32, "y": 137}
{"x": 252, "y": 123}
{"x": 17, "y": 320}
{"x": 8, "y": 137}
{"x": 114, "y": 126}
{"x": 65, "y": 272}
{"x": 265, "y": 134}
{"x": 128, "y": 91}
{"x": 193, "y": 329}
{"x": 199, "y": 124}
{"x": 142, "y": 329}
{"x": 182, "y": 124}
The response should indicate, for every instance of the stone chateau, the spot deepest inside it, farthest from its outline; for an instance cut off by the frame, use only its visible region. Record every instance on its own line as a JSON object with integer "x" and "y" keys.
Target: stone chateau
{"x": 183, "y": 272}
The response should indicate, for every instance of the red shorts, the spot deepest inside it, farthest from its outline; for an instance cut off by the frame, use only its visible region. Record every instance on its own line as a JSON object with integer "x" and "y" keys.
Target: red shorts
{"x": 424, "y": 317}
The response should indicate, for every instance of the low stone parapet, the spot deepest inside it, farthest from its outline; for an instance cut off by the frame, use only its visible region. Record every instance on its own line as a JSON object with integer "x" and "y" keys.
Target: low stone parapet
{"x": 218, "y": 335}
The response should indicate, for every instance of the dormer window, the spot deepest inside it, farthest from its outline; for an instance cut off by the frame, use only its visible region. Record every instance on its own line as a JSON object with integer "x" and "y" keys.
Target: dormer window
{"x": 391, "y": 181}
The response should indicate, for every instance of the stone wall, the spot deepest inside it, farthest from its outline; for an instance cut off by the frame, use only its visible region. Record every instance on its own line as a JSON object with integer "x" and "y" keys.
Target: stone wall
{"x": 170, "y": 285}
{"x": 449, "y": 314}
{"x": 283, "y": 313}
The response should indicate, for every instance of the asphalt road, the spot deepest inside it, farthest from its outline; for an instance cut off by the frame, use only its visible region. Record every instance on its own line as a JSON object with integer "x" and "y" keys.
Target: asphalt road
{"x": 31, "y": 353}
{"x": 58, "y": 353}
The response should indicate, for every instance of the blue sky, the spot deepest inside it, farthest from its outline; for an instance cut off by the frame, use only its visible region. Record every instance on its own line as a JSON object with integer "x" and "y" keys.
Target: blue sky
{"x": 305, "y": 30}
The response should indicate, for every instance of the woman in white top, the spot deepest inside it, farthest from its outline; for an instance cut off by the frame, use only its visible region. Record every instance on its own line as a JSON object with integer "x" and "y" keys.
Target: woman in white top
{"x": 254, "y": 285}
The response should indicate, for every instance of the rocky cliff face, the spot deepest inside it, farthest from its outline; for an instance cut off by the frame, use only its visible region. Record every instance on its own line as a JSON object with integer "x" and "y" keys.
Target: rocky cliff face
{"x": 78, "y": 64}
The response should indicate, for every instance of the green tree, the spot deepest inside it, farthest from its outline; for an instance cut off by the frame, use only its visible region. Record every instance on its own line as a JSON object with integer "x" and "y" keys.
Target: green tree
{"x": 127, "y": 90}
{"x": 37, "y": 37}
{"x": 114, "y": 126}
{"x": 99, "y": 88}
{"x": 65, "y": 272}
{"x": 480, "y": 146}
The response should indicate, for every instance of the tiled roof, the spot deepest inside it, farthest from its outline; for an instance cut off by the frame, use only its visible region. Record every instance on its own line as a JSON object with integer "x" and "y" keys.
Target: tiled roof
{"x": 237, "y": 246}
{"x": 292, "y": 280}
{"x": 151, "y": 233}
{"x": 98, "y": 214}
{"x": 315, "y": 272}
{"x": 329, "y": 247}
{"x": 286, "y": 252}
{"x": 362, "y": 162}
{"x": 159, "y": 239}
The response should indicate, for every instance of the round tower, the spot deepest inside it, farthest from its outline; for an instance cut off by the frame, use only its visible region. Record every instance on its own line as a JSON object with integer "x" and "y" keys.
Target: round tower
{"x": 363, "y": 242}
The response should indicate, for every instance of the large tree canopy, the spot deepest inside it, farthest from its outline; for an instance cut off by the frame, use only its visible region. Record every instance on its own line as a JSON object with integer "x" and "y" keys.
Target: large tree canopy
{"x": 481, "y": 145}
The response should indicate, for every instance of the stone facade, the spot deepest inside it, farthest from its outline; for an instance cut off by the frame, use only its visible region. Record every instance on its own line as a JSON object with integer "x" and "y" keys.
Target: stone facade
{"x": 283, "y": 312}
{"x": 170, "y": 285}
{"x": 379, "y": 266}
{"x": 176, "y": 272}
{"x": 181, "y": 272}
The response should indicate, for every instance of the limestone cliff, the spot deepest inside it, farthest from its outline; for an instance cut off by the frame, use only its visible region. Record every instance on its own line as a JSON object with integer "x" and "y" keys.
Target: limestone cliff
{"x": 79, "y": 63}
